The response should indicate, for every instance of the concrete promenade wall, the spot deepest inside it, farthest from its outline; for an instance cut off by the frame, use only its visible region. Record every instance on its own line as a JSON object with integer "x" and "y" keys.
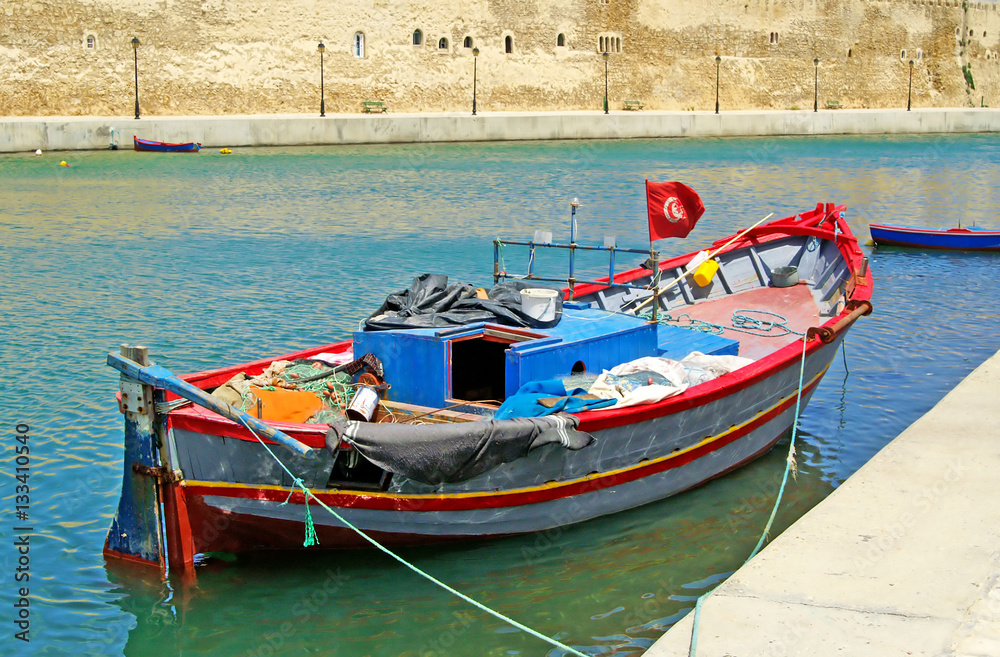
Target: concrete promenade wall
{"x": 83, "y": 133}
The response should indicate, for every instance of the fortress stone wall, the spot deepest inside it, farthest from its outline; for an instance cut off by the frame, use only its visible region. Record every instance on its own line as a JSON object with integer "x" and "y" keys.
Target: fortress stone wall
{"x": 217, "y": 57}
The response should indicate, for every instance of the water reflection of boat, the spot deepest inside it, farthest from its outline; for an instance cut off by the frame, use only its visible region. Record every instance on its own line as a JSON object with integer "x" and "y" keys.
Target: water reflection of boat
{"x": 965, "y": 239}
{"x": 441, "y": 458}
{"x": 165, "y": 147}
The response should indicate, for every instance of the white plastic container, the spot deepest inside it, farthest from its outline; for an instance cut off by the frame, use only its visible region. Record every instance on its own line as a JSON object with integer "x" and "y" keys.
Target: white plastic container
{"x": 362, "y": 407}
{"x": 539, "y": 303}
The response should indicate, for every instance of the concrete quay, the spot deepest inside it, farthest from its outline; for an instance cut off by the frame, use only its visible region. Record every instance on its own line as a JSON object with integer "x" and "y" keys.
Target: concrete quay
{"x": 902, "y": 559}
{"x": 25, "y": 134}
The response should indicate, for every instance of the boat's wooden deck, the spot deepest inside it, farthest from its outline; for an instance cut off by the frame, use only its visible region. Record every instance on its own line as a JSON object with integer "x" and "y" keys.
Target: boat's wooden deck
{"x": 795, "y": 304}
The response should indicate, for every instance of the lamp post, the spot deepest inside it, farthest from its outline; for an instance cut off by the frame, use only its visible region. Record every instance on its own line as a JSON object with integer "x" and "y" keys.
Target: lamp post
{"x": 718, "y": 60}
{"x": 909, "y": 89}
{"x": 816, "y": 85}
{"x": 322, "y": 96}
{"x": 135, "y": 59}
{"x": 475, "y": 59}
{"x": 606, "y": 55}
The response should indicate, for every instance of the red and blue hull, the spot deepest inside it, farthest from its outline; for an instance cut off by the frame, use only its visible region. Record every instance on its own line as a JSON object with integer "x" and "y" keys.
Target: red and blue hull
{"x": 961, "y": 239}
{"x": 164, "y": 147}
{"x": 222, "y": 491}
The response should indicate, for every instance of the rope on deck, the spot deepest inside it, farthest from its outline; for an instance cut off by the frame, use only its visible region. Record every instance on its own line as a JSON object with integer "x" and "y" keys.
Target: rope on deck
{"x": 742, "y": 321}
{"x": 309, "y": 494}
{"x": 791, "y": 467}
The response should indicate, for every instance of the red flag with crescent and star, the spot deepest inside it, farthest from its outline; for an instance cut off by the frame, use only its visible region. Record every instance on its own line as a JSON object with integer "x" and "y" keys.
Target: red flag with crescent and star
{"x": 674, "y": 209}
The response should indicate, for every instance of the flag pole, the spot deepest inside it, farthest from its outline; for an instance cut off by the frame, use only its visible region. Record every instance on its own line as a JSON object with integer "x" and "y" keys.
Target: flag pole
{"x": 687, "y": 270}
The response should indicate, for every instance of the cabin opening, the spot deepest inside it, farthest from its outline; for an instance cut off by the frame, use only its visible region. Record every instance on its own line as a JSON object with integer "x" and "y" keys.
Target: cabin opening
{"x": 478, "y": 369}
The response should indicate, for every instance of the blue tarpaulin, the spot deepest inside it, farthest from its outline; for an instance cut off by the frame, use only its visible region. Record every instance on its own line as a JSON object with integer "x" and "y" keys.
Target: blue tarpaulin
{"x": 524, "y": 403}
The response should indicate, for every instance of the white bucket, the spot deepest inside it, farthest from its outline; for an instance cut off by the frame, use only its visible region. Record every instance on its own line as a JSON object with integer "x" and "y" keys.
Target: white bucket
{"x": 539, "y": 303}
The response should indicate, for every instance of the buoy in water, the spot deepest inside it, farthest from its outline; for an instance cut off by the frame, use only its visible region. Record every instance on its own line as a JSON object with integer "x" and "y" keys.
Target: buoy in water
{"x": 38, "y": 151}
{"x": 225, "y": 151}
{"x": 63, "y": 164}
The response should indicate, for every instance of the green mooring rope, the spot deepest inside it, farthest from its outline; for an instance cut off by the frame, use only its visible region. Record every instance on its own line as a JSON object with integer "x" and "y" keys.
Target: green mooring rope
{"x": 790, "y": 468}
{"x": 311, "y": 538}
{"x": 387, "y": 551}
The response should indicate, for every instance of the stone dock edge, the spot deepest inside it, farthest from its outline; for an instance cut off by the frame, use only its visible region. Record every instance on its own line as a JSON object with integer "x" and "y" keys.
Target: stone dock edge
{"x": 26, "y": 134}
{"x": 902, "y": 559}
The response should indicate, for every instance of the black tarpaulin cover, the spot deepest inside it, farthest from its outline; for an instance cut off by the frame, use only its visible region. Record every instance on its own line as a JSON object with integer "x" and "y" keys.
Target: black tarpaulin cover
{"x": 432, "y": 302}
{"x": 439, "y": 453}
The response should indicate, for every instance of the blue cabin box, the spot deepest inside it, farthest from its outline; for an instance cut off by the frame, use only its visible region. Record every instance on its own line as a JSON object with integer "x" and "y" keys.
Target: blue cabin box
{"x": 489, "y": 362}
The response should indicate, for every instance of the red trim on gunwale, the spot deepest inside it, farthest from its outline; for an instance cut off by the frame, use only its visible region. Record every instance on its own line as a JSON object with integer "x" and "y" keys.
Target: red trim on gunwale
{"x": 198, "y": 420}
{"x": 462, "y": 502}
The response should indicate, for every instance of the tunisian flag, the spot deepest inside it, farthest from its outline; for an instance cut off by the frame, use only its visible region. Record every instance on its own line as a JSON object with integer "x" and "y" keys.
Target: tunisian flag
{"x": 674, "y": 209}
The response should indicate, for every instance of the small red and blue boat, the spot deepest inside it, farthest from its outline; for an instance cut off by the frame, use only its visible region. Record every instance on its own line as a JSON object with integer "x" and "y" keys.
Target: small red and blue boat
{"x": 965, "y": 239}
{"x": 165, "y": 147}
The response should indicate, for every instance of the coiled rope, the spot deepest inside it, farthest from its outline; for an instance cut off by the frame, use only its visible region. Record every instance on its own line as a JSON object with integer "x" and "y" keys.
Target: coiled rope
{"x": 790, "y": 468}
{"x": 309, "y": 494}
{"x": 745, "y": 320}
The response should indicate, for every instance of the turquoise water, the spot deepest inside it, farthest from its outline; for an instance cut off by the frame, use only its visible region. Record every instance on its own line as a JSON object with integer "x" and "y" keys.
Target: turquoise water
{"x": 210, "y": 259}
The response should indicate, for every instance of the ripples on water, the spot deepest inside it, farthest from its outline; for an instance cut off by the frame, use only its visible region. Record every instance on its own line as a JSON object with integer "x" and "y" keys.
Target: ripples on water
{"x": 212, "y": 259}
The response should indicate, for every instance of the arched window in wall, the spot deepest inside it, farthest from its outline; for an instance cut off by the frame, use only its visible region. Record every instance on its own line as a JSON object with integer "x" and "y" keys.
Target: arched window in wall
{"x": 442, "y": 43}
{"x": 508, "y": 44}
{"x": 418, "y": 38}
{"x": 359, "y": 44}
{"x": 467, "y": 43}
{"x": 91, "y": 42}
{"x": 561, "y": 40}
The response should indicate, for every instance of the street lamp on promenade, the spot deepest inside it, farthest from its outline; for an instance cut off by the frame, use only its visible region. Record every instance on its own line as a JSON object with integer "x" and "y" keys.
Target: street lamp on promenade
{"x": 909, "y": 90}
{"x": 606, "y": 56}
{"x": 816, "y": 85}
{"x": 475, "y": 60}
{"x": 135, "y": 59}
{"x": 322, "y": 96}
{"x": 718, "y": 60}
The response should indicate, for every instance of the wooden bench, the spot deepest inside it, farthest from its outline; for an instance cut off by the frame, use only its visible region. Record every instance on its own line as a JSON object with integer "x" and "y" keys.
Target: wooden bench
{"x": 833, "y": 104}
{"x": 369, "y": 106}
{"x": 633, "y": 104}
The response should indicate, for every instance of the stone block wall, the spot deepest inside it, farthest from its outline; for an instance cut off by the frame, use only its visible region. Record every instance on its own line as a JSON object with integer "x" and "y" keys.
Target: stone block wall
{"x": 218, "y": 57}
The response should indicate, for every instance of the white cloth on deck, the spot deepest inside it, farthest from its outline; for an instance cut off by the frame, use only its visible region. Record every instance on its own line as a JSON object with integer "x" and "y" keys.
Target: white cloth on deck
{"x": 666, "y": 377}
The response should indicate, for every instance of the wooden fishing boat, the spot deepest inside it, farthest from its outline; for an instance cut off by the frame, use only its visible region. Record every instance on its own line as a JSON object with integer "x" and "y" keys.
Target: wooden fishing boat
{"x": 441, "y": 459}
{"x": 965, "y": 239}
{"x": 165, "y": 147}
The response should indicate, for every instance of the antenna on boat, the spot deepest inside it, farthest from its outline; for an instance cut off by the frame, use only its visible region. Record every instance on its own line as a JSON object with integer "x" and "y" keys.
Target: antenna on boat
{"x": 573, "y": 205}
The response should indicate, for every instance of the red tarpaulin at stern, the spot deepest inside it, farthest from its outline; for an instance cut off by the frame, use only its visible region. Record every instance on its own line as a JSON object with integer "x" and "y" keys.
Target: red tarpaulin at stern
{"x": 674, "y": 209}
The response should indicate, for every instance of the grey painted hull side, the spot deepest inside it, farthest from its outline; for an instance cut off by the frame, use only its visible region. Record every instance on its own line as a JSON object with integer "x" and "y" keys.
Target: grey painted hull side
{"x": 617, "y": 447}
{"x": 529, "y": 517}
